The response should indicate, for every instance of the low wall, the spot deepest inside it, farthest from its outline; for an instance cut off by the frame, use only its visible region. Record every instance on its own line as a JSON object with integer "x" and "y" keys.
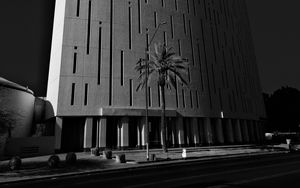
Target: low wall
{"x": 30, "y": 146}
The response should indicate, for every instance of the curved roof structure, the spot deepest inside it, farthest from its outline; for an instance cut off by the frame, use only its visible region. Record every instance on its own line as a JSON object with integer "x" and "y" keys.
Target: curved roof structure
{"x": 9, "y": 84}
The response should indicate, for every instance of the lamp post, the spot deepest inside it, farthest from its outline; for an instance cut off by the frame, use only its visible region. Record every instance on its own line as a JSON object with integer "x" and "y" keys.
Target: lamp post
{"x": 147, "y": 50}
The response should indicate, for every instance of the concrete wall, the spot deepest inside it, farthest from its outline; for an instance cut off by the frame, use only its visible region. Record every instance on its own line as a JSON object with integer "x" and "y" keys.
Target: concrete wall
{"x": 215, "y": 37}
{"x": 20, "y": 107}
{"x": 31, "y": 146}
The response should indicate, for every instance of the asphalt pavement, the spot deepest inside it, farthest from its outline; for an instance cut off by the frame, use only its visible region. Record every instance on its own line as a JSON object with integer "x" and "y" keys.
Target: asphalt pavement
{"x": 35, "y": 169}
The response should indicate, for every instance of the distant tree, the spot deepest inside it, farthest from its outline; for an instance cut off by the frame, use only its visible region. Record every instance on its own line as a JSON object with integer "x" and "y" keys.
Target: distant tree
{"x": 164, "y": 66}
{"x": 283, "y": 109}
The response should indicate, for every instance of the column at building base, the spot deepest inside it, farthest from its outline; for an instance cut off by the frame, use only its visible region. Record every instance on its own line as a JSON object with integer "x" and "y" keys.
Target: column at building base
{"x": 88, "y": 133}
{"x": 180, "y": 132}
{"x": 101, "y": 132}
{"x": 58, "y": 131}
{"x": 219, "y": 131}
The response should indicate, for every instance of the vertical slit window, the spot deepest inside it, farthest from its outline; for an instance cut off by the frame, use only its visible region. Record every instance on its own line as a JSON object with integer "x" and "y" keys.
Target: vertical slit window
{"x": 86, "y": 94}
{"x": 129, "y": 26}
{"x": 162, "y": 3}
{"x": 172, "y": 27}
{"x": 78, "y": 8}
{"x": 191, "y": 99}
{"x": 72, "y": 94}
{"x": 188, "y": 6}
{"x": 184, "y": 24}
{"x": 191, "y": 40}
{"x": 74, "y": 63}
{"x": 122, "y": 68}
{"x": 158, "y": 96}
{"x": 99, "y": 55}
{"x": 155, "y": 19}
{"x": 176, "y": 92}
{"x": 130, "y": 92}
{"x": 205, "y": 9}
{"x": 139, "y": 16}
{"x": 183, "y": 98}
{"x": 176, "y": 4}
{"x": 213, "y": 75}
{"x": 149, "y": 96}
{"x": 200, "y": 67}
{"x": 197, "y": 100}
{"x": 165, "y": 38}
{"x": 111, "y": 54}
{"x": 89, "y": 28}
{"x": 179, "y": 47}
{"x": 220, "y": 98}
{"x": 206, "y": 64}
{"x": 194, "y": 7}
{"x": 189, "y": 74}
{"x": 213, "y": 44}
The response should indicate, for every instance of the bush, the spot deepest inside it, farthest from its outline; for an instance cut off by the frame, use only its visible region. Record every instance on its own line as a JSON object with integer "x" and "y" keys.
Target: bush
{"x": 120, "y": 158}
{"x": 15, "y": 163}
{"x": 107, "y": 154}
{"x": 71, "y": 158}
{"x": 53, "y": 161}
{"x": 95, "y": 151}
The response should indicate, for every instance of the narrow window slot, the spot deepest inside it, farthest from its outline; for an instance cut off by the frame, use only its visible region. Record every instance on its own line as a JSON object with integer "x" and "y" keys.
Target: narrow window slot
{"x": 191, "y": 99}
{"x": 99, "y": 55}
{"x": 74, "y": 63}
{"x": 197, "y": 100}
{"x": 158, "y": 91}
{"x": 130, "y": 92}
{"x": 122, "y": 68}
{"x": 155, "y": 19}
{"x": 89, "y": 28}
{"x": 172, "y": 26}
{"x": 129, "y": 27}
{"x": 191, "y": 40}
{"x": 165, "y": 38}
{"x": 179, "y": 47}
{"x": 150, "y": 96}
{"x": 200, "y": 66}
{"x": 72, "y": 94}
{"x": 176, "y": 4}
{"x": 86, "y": 94}
{"x": 111, "y": 54}
{"x": 139, "y": 17}
{"x": 184, "y": 24}
{"x": 78, "y": 8}
{"x": 183, "y": 98}
{"x": 188, "y": 6}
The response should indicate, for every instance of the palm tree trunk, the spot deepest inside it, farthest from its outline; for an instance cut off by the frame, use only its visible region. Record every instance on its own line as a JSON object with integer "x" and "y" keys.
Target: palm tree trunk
{"x": 163, "y": 114}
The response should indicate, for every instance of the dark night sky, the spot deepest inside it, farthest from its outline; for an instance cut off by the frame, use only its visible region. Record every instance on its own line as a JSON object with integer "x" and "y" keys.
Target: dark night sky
{"x": 26, "y": 29}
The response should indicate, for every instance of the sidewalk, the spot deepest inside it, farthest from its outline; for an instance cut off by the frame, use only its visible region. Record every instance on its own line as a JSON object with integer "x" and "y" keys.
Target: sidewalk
{"x": 36, "y": 167}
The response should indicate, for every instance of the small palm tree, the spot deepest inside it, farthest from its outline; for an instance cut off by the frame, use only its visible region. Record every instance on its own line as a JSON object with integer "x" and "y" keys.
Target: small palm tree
{"x": 166, "y": 67}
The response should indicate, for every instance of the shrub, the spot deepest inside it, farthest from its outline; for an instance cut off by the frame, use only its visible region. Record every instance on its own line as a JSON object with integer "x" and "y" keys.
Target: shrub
{"x": 107, "y": 154}
{"x": 71, "y": 158}
{"x": 120, "y": 158}
{"x": 15, "y": 163}
{"x": 53, "y": 161}
{"x": 95, "y": 151}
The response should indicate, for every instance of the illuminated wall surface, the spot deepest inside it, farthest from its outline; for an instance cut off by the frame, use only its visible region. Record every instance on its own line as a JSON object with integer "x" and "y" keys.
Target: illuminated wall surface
{"x": 96, "y": 44}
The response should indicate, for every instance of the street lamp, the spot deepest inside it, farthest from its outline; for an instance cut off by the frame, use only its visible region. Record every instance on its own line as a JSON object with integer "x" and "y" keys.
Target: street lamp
{"x": 146, "y": 86}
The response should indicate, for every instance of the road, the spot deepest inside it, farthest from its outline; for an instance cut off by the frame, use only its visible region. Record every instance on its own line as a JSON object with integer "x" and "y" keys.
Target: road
{"x": 280, "y": 170}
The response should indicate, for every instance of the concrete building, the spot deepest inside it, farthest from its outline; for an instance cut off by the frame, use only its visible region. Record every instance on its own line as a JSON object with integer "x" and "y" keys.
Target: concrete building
{"x": 92, "y": 81}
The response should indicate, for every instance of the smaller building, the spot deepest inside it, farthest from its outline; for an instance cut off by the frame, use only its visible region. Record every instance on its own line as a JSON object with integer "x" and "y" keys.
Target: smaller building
{"x": 25, "y": 127}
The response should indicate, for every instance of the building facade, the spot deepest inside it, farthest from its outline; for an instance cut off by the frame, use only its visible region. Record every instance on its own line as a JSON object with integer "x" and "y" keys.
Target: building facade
{"x": 92, "y": 81}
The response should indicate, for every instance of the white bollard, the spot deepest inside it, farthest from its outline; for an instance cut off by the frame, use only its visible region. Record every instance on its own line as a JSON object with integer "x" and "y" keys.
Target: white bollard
{"x": 183, "y": 153}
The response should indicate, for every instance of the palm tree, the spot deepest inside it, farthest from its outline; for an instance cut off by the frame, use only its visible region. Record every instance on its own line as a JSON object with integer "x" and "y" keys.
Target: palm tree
{"x": 166, "y": 67}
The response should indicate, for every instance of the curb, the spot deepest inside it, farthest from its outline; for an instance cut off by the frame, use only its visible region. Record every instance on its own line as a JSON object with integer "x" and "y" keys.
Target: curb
{"x": 148, "y": 165}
